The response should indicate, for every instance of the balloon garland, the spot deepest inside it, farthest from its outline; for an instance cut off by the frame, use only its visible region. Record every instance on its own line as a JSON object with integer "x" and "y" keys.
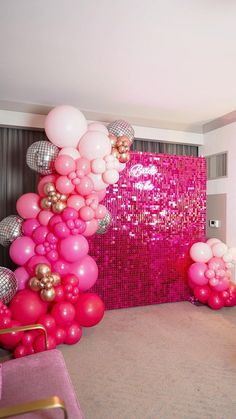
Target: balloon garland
{"x": 48, "y": 237}
{"x": 211, "y": 275}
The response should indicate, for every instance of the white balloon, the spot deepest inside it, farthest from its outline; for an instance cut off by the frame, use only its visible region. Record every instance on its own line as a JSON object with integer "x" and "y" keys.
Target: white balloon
{"x": 212, "y": 241}
{"x": 200, "y": 252}
{"x": 70, "y": 151}
{"x": 96, "y": 126}
{"x": 219, "y": 249}
{"x": 227, "y": 257}
{"x": 110, "y": 176}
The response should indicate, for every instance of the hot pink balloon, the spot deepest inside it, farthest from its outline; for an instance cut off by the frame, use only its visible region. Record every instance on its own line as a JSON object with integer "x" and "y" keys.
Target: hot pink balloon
{"x": 29, "y": 226}
{"x": 94, "y": 145}
{"x": 34, "y": 261}
{"x": 196, "y": 273}
{"x": 73, "y": 248}
{"x": 28, "y": 205}
{"x": 64, "y": 164}
{"x": 21, "y": 250}
{"x": 222, "y": 285}
{"x": 65, "y": 125}
{"x": 39, "y": 234}
{"x": 61, "y": 266}
{"x": 22, "y": 278}
{"x": 87, "y": 272}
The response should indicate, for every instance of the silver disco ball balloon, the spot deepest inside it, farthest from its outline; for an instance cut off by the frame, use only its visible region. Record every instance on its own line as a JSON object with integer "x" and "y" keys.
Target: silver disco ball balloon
{"x": 104, "y": 223}
{"x": 120, "y": 128}
{"x": 41, "y": 156}
{"x": 10, "y": 229}
{"x": 8, "y": 285}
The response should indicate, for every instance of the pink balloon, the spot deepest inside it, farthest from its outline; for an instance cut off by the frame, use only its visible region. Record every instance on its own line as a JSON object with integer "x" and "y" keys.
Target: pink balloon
{"x": 121, "y": 167}
{"x": 196, "y": 273}
{"x": 210, "y": 273}
{"x": 28, "y": 205}
{"x": 70, "y": 151}
{"x": 44, "y": 217}
{"x": 26, "y": 307}
{"x": 223, "y": 284}
{"x": 64, "y": 164}
{"x": 73, "y": 248}
{"x": 29, "y": 226}
{"x": 65, "y": 125}
{"x": 43, "y": 181}
{"x": 110, "y": 176}
{"x": 34, "y": 261}
{"x": 73, "y": 334}
{"x": 216, "y": 263}
{"x": 21, "y": 250}
{"x": 94, "y": 145}
{"x": 22, "y": 278}
{"x": 64, "y": 185}
{"x": 86, "y": 213}
{"x": 101, "y": 194}
{"x": 85, "y": 186}
{"x": 95, "y": 126}
{"x": 87, "y": 272}
{"x": 76, "y": 202}
{"x": 100, "y": 212}
{"x": 61, "y": 267}
{"x": 91, "y": 228}
{"x": 83, "y": 164}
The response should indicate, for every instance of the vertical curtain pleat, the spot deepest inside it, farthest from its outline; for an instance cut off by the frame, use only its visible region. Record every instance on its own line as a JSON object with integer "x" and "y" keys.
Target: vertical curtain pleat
{"x": 164, "y": 148}
{"x": 16, "y": 178}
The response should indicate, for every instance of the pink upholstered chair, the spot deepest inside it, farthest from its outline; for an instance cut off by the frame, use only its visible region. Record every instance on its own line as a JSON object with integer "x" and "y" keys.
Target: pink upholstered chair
{"x": 37, "y": 386}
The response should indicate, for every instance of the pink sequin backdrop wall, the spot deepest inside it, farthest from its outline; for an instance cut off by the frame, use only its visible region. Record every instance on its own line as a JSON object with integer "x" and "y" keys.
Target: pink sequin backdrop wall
{"x": 158, "y": 210}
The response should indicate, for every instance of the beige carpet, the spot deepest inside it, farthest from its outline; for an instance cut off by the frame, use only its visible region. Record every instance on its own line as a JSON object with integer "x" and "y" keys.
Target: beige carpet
{"x": 165, "y": 361}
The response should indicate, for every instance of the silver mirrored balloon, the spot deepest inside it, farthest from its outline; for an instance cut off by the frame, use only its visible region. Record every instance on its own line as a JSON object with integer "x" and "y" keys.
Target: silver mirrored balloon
{"x": 41, "y": 156}
{"x": 120, "y": 128}
{"x": 8, "y": 285}
{"x": 104, "y": 223}
{"x": 10, "y": 229}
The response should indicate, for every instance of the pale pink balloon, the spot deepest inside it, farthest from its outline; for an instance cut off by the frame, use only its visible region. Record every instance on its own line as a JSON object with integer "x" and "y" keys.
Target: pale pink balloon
{"x": 122, "y": 166}
{"x": 220, "y": 273}
{"x": 110, "y": 176}
{"x": 28, "y": 205}
{"x": 21, "y": 250}
{"x": 28, "y": 226}
{"x": 22, "y": 278}
{"x": 91, "y": 228}
{"x": 94, "y": 145}
{"x": 210, "y": 273}
{"x": 213, "y": 282}
{"x": 216, "y": 263}
{"x": 86, "y": 213}
{"x": 85, "y": 187}
{"x": 213, "y": 241}
{"x": 44, "y": 217}
{"x": 65, "y": 125}
{"x": 64, "y": 185}
{"x": 196, "y": 273}
{"x": 200, "y": 252}
{"x": 70, "y": 151}
{"x": 43, "y": 181}
{"x": 101, "y": 194}
{"x": 98, "y": 182}
{"x": 73, "y": 248}
{"x": 64, "y": 164}
{"x": 219, "y": 249}
{"x": 98, "y": 166}
{"x": 76, "y": 202}
{"x": 87, "y": 272}
{"x": 95, "y": 126}
{"x": 34, "y": 261}
{"x": 100, "y": 211}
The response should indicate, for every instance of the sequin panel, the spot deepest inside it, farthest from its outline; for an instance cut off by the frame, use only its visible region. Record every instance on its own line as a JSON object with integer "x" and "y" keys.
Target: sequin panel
{"x": 158, "y": 210}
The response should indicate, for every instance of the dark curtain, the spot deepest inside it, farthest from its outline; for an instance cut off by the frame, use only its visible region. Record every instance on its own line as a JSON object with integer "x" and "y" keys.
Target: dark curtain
{"x": 164, "y": 148}
{"x": 16, "y": 177}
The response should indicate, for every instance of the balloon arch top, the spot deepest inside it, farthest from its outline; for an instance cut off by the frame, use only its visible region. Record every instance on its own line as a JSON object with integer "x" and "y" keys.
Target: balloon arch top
{"x": 48, "y": 237}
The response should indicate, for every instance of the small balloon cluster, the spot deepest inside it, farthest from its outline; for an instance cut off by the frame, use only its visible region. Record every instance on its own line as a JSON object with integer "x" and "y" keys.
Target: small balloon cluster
{"x": 48, "y": 237}
{"x": 211, "y": 276}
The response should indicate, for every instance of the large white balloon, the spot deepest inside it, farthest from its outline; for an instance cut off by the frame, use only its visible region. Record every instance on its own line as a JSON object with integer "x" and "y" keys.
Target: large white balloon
{"x": 94, "y": 145}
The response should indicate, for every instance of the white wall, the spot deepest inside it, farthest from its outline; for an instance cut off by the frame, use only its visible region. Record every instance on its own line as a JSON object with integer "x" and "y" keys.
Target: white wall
{"x": 29, "y": 120}
{"x": 220, "y": 140}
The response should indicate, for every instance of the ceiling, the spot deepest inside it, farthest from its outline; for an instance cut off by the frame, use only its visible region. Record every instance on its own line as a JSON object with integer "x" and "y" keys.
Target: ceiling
{"x": 161, "y": 63}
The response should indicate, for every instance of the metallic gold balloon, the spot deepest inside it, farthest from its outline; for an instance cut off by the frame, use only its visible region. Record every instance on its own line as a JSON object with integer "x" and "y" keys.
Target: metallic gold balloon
{"x": 41, "y": 270}
{"x": 59, "y": 206}
{"x": 56, "y": 278}
{"x": 34, "y": 284}
{"x": 48, "y": 188}
{"x": 124, "y": 157}
{"x": 48, "y": 295}
{"x": 45, "y": 203}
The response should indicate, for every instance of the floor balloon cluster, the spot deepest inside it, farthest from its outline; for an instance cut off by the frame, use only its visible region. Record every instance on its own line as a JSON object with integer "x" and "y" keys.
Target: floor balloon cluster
{"x": 211, "y": 276}
{"x": 48, "y": 237}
